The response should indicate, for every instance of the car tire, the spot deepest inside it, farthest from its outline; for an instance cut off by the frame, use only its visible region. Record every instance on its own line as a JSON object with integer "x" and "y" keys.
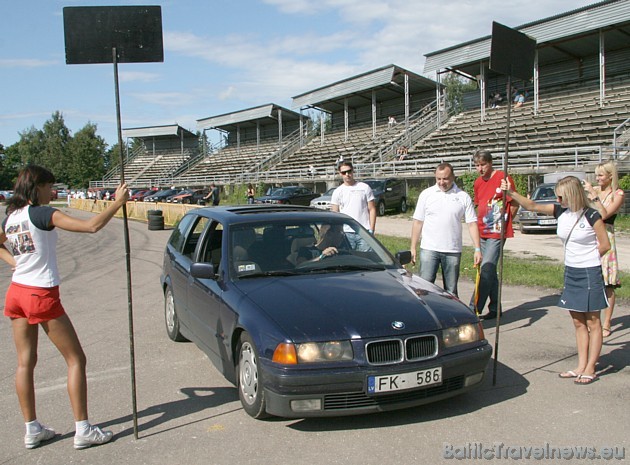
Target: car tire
{"x": 156, "y": 223}
{"x": 171, "y": 319}
{"x": 250, "y": 385}
{"x": 380, "y": 208}
{"x": 403, "y": 205}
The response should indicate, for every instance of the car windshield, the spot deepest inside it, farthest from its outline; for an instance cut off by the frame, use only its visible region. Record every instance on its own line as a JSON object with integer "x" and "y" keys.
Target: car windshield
{"x": 375, "y": 184}
{"x": 544, "y": 193}
{"x": 297, "y": 247}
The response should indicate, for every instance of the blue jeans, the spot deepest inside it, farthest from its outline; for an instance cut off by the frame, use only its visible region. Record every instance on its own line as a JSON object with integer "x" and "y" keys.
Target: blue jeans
{"x": 489, "y": 281}
{"x": 429, "y": 262}
{"x": 356, "y": 242}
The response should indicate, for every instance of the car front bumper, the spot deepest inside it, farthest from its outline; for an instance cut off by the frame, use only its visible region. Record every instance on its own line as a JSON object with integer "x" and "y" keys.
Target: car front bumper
{"x": 344, "y": 392}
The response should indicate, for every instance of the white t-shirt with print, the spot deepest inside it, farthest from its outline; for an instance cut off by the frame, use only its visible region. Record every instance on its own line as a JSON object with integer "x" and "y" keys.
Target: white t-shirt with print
{"x": 33, "y": 244}
{"x": 353, "y": 201}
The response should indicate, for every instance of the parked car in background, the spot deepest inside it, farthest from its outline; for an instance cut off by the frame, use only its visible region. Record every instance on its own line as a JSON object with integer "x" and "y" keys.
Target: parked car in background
{"x": 301, "y": 334}
{"x": 532, "y": 221}
{"x": 161, "y": 196}
{"x": 389, "y": 194}
{"x": 178, "y": 195}
{"x": 323, "y": 201}
{"x": 190, "y": 196}
{"x": 140, "y": 194}
{"x": 288, "y": 195}
{"x": 60, "y": 194}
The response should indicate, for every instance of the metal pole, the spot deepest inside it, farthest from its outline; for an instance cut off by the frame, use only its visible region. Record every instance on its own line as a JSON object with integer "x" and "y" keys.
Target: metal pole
{"x": 127, "y": 255}
{"x": 503, "y": 226}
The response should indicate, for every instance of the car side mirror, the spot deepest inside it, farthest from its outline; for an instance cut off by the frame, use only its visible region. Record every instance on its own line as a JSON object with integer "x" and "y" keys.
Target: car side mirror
{"x": 404, "y": 257}
{"x": 202, "y": 270}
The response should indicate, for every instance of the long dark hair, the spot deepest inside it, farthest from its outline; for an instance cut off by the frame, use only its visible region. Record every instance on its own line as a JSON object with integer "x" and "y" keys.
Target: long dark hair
{"x": 25, "y": 190}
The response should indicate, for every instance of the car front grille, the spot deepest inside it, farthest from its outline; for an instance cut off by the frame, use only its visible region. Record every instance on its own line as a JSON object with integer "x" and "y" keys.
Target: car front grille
{"x": 357, "y": 400}
{"x": 391, "y": 351}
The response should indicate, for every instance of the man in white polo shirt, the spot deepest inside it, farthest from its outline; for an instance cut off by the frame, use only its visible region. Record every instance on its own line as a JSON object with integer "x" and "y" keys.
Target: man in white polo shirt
{"x": 438, "y": 220}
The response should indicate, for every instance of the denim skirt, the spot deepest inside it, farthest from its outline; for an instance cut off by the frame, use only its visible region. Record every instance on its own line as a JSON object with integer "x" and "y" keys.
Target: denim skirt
{"x": 583, "y": 290}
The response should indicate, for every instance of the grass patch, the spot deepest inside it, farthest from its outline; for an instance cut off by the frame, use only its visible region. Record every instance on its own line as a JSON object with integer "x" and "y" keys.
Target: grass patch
{"x": 536, "y": 271}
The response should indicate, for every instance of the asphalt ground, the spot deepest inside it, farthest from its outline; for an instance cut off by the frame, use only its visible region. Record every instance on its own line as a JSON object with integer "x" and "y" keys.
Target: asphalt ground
{"x": 187, "y": 413}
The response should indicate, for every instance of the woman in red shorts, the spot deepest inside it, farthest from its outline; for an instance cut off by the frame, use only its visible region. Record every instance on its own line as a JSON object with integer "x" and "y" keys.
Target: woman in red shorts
{"x": 28, "y": 243}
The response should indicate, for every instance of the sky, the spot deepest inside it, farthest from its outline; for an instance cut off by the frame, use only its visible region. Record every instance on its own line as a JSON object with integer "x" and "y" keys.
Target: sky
{"x": 222, "y": 56}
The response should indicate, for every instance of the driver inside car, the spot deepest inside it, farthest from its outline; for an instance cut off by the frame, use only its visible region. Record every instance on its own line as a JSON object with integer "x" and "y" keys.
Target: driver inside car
{"x": 331, "y": 240}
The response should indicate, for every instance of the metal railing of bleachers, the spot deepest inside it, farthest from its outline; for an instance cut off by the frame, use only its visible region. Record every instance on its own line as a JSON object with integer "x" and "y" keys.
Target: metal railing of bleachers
{"x": 115, "y": 171}
{"x": 621, "y": 139}
{"x": 290, "y": 144}
{"x": 535, "y": 161}
{"x": 421, "y": 123}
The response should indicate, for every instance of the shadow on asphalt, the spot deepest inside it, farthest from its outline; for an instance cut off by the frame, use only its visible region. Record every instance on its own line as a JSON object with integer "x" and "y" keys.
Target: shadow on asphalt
{"x": 527, "y": 313}
{"x": 197, "y": 399}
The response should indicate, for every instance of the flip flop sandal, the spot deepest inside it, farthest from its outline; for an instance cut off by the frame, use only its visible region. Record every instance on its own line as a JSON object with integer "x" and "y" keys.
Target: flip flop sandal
{"x": 568, "y": 374}
{"x": 589, "y": 379}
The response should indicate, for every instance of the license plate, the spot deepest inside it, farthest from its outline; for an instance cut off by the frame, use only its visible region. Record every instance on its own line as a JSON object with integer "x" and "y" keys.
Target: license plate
{"x": 402, "y": 381}
{"x": 547, "y": 221}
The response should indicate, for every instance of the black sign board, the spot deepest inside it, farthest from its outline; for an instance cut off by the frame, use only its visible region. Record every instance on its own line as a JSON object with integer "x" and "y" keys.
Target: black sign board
{"x": 512, "y": 52}
{"x": 91, "y": 33}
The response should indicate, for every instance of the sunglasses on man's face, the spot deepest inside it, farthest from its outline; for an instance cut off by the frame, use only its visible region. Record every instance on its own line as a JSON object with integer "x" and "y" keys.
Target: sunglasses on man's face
{"x": 344, "y": 173}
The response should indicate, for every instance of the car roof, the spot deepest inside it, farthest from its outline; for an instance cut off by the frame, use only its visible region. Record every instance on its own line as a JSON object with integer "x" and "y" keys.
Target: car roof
{"x": 249, "y": 213}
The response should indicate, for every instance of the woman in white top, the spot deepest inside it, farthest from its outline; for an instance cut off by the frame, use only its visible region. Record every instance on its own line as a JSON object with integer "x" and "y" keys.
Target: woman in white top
{"x": 583, "y": 234}
{"x": 32, "y": 300}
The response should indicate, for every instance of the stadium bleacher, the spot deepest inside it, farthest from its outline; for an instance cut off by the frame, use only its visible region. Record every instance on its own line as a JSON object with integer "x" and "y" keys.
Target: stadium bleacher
{"x": 568, "y": 121}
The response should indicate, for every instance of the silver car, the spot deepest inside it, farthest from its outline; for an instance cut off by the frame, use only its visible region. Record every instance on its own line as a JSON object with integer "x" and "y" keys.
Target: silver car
{"x": 532, "y": 221}
{"x": 323, "y": 202}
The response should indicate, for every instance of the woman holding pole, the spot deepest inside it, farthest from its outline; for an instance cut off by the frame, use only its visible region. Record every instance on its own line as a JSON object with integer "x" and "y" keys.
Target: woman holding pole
{"x": 583, "y": 234}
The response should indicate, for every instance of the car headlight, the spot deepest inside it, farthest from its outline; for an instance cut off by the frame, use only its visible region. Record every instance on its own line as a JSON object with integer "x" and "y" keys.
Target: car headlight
{"x": 313, "y": 352}
{"x": 463, "y": 334}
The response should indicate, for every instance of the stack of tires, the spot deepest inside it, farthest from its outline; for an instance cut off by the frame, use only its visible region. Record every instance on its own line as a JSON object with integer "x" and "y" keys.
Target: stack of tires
{"x": 156, "y": 220}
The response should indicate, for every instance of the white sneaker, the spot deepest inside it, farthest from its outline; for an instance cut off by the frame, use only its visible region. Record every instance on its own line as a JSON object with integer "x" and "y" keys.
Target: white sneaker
{"x": 31, "y": 441}
{"x": 94, "y": 437}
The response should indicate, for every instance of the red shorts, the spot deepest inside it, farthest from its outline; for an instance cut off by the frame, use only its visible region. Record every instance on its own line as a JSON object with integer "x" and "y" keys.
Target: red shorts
{"x": 37, "y": 304}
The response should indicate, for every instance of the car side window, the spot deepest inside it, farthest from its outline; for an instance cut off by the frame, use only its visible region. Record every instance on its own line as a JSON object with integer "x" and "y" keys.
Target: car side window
{"x": 211, "y": 249}
{"x": 178, "y": 236}
{"x": 193, "y": 237}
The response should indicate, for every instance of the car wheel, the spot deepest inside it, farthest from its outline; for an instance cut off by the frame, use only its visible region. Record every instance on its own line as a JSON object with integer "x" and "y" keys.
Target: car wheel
{"x": 250, "y": 386}
{"x": 170, "y": 317}
{"x": 380, "y": 209}
{"x": 403, "y": 205}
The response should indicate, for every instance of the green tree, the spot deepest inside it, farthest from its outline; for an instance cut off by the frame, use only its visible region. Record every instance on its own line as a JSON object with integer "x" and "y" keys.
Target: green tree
{"x": 29, "y": 149}
{"x": 456, "y": 86}
{"x": 55, "y": 156}
{"x": 86, "y": 157}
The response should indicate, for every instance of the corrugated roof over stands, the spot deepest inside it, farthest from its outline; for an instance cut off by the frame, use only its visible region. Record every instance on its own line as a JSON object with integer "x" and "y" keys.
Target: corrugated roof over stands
{"x": 157, "y": 131}
{"x": 247, "y": 118}
{"x": 387, "y": 82}
{"x": 553, "y": 36}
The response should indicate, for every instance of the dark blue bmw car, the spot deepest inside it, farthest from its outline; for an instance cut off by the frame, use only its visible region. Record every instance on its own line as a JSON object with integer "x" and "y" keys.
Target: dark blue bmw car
{"x": 309, "y": 315}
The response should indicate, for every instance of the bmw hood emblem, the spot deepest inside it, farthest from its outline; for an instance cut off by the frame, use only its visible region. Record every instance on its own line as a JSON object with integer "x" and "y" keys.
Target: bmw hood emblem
{"x": 398, "y": 325}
